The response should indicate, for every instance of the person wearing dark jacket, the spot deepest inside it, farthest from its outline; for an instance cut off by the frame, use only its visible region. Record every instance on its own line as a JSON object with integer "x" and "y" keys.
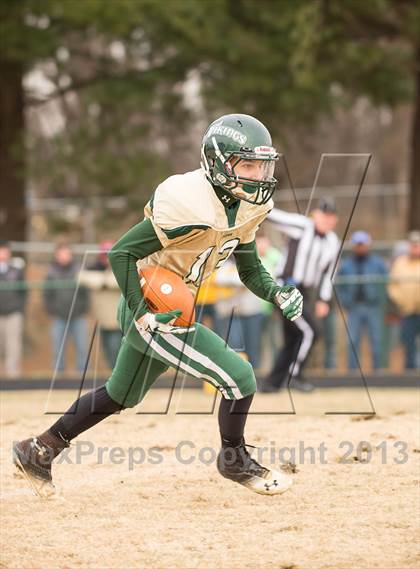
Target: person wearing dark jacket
{"x": 12, "y": 306}
{"x": 362, "y": 298}
{"x": 68, "y": 305}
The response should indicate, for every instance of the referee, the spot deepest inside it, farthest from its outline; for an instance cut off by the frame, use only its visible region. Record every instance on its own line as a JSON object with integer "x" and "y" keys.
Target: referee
{"x": 308, "y": 263}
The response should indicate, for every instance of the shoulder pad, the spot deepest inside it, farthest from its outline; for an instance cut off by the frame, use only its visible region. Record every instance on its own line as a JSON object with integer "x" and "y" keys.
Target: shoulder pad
{"x": 183, "y": 200}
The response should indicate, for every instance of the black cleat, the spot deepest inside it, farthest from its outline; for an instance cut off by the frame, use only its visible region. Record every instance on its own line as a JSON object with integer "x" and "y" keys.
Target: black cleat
{"x": 235, "y": 463}
{"x": 33, "y": 458}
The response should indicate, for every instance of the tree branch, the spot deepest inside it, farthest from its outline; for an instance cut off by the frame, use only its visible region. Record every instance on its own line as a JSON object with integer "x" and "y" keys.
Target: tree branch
{"x": 81, "y": 84}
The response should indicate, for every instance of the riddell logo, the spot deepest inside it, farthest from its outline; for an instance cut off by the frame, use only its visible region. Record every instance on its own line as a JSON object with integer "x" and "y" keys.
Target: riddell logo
{"x": 264, "y": 150}
{"x": 228, "y": 131}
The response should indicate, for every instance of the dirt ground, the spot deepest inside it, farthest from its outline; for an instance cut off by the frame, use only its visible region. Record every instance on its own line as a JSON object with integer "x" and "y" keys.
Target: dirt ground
{"x": 348, "y": 508}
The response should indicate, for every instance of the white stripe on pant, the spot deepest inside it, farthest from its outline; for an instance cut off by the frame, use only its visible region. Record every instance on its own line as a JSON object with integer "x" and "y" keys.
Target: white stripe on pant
{"x": 305, "y": 345}
{"x": 186, "y": 351}
{"x": 178, "y": 363}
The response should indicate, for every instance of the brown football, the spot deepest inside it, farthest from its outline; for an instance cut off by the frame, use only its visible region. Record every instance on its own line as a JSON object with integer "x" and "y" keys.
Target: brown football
{"x": 164, "y": 290}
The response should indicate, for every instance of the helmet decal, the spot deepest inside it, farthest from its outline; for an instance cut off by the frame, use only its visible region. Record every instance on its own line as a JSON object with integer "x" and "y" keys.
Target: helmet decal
{"x": 228, "y": 131}
{"x": 217, "y": 150}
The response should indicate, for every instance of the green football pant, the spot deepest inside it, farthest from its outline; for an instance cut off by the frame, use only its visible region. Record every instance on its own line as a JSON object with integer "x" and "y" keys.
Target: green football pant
{"x": 199, "y": 353}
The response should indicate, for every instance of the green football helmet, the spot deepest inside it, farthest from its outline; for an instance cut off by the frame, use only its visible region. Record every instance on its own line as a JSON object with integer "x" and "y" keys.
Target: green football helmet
{"x": 238, "y": 139}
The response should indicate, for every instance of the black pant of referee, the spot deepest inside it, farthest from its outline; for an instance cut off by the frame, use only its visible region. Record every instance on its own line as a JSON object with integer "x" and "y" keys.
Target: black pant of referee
{"x": 299, "y": 338}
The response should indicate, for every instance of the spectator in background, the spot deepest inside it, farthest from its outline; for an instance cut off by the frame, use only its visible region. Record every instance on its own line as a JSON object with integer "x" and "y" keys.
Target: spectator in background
{"x": 362, "y": 297}
{"x": 100, "y": 279}
{"x": 12, "y": 306}
{"x": 67, "y": 304}
{"x": 404, "y": 290}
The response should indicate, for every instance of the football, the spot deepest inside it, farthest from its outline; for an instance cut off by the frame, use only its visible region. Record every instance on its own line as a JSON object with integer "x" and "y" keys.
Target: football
{"x": 164, "y": 290}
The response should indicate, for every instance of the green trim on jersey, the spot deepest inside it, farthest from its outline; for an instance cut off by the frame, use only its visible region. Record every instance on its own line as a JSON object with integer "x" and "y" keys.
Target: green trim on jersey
{"x": 229, "y": 203}
{"x": 182, "y": 230}
{"x": 224, "y": 197}
{"x": 231, "y": 212}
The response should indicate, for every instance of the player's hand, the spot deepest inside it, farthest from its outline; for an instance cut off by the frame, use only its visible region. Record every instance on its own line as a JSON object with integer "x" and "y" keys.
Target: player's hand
{"x": 160, "y": 322}
{"x": 290, "y": 302}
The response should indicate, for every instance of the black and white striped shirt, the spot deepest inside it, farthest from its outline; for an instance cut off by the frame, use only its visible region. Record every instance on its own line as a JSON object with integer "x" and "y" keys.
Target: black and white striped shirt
{"x": 310, "y": 257}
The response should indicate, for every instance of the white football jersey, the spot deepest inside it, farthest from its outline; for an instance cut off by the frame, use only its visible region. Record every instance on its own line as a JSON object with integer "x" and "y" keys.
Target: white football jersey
{"x": 197, "y": 231}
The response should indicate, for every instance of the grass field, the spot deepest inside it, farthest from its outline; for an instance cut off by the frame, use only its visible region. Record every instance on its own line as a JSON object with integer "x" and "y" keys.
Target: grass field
{"x": 165, "y": 513}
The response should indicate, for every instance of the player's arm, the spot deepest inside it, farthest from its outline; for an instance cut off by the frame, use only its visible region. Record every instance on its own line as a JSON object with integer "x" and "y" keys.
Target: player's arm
{"x": 326, "y": 286}
{"x": 322, "y": 305}
{"x": 259, "y": 281}
{"x": 139, "y": 242}
{"x": 253, "y": 274}
{"x": 291, "y": 224}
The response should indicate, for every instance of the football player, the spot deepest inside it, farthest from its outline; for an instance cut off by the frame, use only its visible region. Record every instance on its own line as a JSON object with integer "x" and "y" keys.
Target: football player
{"x": 192, "y": 224}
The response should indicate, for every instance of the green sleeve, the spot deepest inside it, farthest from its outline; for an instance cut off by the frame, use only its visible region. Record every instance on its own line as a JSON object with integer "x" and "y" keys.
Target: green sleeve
{"x": 252, "y": 273}
{"x": 139, "y": 242}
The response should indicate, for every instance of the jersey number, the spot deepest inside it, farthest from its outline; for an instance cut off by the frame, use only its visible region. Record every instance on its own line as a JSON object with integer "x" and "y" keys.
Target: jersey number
{"x": 196, "y": 272}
